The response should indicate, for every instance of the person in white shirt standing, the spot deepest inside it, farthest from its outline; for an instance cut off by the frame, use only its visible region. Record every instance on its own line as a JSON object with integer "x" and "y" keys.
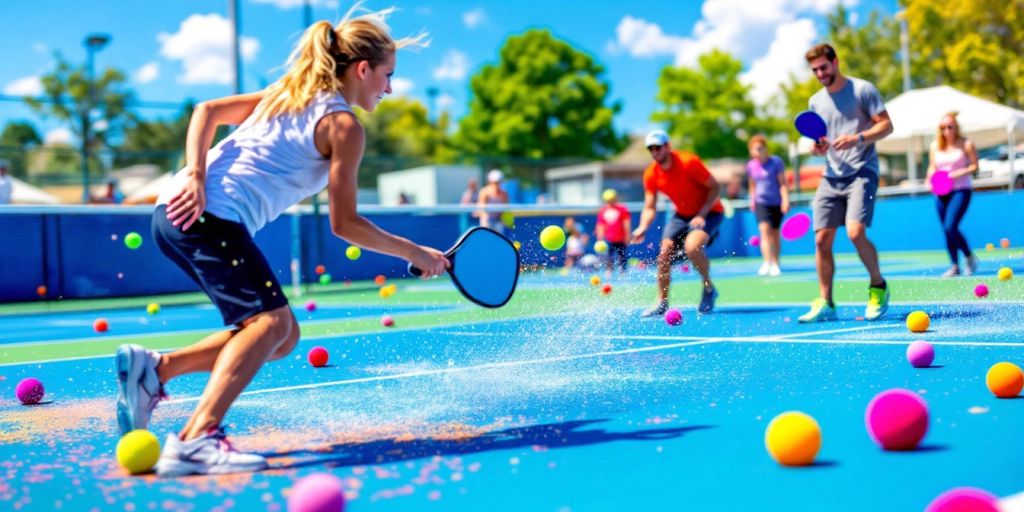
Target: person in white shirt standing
{"x": 295, "y": 138}
{"x": 6, "y": 183}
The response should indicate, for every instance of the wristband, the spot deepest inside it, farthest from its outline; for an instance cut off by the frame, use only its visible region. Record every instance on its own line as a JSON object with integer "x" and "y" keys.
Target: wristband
{"x": 860, "y": 138}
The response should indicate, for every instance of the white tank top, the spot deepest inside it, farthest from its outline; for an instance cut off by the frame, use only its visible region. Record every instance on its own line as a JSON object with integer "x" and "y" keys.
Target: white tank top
{"x": 265, "y": 166}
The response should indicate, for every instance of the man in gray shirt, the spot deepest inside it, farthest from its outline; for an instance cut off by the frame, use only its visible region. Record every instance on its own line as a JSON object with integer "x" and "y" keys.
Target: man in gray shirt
{"x": 856, "y": 118}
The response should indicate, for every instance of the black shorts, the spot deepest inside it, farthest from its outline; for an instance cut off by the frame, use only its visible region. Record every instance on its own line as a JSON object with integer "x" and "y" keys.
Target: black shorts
{"x": 770, "y": 214}
{"x": 220, "y": 256}
{"x": 678, "y": 227}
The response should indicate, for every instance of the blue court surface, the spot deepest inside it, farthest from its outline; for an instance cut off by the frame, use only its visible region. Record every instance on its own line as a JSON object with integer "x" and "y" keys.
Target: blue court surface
{"x": 578, "y": 409}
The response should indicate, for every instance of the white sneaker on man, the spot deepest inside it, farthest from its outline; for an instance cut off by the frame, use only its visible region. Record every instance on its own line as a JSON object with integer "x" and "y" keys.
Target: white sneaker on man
{"x": 763, "y": 271}
{"x": 138, "y": 386}
{"x": 209, "y": 454}
{"x": 774, "y": 270}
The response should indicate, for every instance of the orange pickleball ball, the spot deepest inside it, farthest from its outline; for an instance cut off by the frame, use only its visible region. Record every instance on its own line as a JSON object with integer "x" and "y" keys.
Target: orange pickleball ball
{"x": 1005, "y": 380}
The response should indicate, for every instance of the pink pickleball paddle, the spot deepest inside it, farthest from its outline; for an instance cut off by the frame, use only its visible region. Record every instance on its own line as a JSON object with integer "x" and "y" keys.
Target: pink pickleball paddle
{"x": 942, "y": 184}
{"x": 796, "y": 226}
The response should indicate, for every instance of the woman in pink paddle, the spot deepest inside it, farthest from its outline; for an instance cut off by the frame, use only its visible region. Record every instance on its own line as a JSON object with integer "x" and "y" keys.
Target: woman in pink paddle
{"x": 955, "y": 155}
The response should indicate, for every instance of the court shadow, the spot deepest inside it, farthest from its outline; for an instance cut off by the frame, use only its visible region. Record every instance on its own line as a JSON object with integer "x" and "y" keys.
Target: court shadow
{"x": 924, "y": 448}
{"x": 930, "y": 367}
{"x": 822, "y": 464}
{"x": 743, "y": 310}
{"x": 551, "y": 436}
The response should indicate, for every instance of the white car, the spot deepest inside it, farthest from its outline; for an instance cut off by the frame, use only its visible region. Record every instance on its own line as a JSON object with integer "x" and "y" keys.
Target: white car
{"x": 994, "y": 168}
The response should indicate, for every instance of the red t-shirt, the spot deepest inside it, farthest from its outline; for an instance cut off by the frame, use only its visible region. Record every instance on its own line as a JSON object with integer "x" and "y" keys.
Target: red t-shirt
{"x": 683, "y": 183}
{"x": 613, "y": 218}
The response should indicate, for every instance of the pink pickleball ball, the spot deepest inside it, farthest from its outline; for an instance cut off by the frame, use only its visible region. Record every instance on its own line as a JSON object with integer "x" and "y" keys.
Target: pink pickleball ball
{"x": 29, "y": 391}
{"x": 964, "y": 499}
{"x": 673, "y": 317}
{"x": 981, "y": 291}
{"x": 387, "y": 321}
{"x": 897, "y": 419}
{"x": 754, "y": 241}
{"x": 920, "y": 354}
{"x": 311, "y": 306}
{"x": 319, "y": 492}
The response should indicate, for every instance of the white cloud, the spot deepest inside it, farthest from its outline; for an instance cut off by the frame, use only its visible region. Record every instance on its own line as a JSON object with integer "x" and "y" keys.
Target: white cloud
{"x": 785, "y": 56}
{"x": 641, "y": 38}
{"x": 290, "y": 4}
{"x": 400, "y": 86}
{"x": 445, "y": 101}
{"x": 424, "y": 11}
{"x": 454, "y": 66}
{"x": 474, "y": 18}
{"x": 58, "y": 136}
{"x": 147, "y": 73}
{"x": 748, "y": 30}
{"x": 40, "y": 48}
{"x": 27, "y": 86}
{"x": 203, "y": 45}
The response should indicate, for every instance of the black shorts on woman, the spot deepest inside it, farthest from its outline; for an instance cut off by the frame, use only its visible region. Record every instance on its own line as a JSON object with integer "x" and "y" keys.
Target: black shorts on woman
{"x": 221, "y": 257}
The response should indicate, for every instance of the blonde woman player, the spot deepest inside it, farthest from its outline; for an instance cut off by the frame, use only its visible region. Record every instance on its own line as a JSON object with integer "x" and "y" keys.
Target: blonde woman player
{"x": 293, "y": 139}
{"x": 954, "y": 154}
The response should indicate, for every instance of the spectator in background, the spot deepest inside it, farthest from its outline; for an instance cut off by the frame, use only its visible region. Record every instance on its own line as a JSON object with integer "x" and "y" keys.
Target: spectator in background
{"x": 6, "y": 183}
{"x": 112, "y": 196}
{"x": 769, "y": 200}
{"x": 613, "y": 227}
{"x": 575, "y": 243}
{"x": 492, "y": 193}
{"x": 469, "y": 196}
{"x": 954, "y": 154}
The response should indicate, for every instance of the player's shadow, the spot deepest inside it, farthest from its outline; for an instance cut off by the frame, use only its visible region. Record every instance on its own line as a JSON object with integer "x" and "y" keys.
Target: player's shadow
{"x": 551, "y": 436}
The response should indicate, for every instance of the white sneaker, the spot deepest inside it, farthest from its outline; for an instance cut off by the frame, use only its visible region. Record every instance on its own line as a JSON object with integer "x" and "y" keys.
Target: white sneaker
{"x": 774, "y": 271}
{"x": 763, "y": 271}
{"x": 210, "y": 454}
{"x": 138, "y": 387}
{"x": 972, "y": 265}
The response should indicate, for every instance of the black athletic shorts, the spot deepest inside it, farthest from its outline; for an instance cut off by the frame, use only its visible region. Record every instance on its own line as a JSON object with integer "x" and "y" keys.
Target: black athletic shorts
{"x": 221, "y": 257}
{"x": 678, "y": 227}
{"x": 770, "y": 214}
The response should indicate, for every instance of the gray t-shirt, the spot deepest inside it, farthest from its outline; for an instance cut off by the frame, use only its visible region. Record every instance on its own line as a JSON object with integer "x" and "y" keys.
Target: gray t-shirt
{"x": 849, "y": 112}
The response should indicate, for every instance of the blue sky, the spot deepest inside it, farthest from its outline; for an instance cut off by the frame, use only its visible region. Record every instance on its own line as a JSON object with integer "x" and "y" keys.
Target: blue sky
{"x": 173, "y": 50}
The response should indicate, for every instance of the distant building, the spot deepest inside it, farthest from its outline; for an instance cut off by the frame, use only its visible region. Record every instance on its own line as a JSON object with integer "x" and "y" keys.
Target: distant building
{"x": 425, "y": 186}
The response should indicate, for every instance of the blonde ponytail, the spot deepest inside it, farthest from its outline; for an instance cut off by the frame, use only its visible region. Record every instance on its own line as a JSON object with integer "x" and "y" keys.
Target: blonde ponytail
{"x": 324, "y": 52}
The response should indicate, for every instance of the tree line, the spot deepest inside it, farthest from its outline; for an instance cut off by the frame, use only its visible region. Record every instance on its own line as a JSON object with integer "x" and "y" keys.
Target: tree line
{"x": 542, "y": 98}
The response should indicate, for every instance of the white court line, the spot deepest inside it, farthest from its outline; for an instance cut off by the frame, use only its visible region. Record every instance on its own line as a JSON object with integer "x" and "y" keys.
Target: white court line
{"x": 829, "y": 331}
{"x": 1012, "y": 503}
{"x": 955, "y": 343}
{"x": 459, "y": 369}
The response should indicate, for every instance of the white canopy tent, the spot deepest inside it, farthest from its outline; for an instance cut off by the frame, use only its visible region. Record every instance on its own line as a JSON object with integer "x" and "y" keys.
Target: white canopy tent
{"x": 23, "y": 193}
{"x": 915, "y": 117}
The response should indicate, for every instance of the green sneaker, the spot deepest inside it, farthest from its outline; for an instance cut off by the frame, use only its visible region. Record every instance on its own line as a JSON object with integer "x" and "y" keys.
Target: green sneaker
{"x": 878, "y": 303}
{"x": 820, "y": 312}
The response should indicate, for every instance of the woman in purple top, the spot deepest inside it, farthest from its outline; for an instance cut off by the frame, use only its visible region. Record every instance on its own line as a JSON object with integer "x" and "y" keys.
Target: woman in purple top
{"x": 769, "y": 200}
{"x": 954, "y": 154}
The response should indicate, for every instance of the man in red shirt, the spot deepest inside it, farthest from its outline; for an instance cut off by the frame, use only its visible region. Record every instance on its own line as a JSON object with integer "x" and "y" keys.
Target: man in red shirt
{"x": 613, "y": 224}
{"x": 683, "y": 178}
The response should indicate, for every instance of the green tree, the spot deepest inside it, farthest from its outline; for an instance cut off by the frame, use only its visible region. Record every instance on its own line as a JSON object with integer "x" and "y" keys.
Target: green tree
{"x": 399, "y": 135}
{"x": 870, "y": 50}
{"x": 542, "y": 99}
{"x": 155, "y": 141}
{"x": 66, "y": 92}
{"x": 707, "y": 108}
{"x": 973, "y": 45}
{"x": 17, "y": 138}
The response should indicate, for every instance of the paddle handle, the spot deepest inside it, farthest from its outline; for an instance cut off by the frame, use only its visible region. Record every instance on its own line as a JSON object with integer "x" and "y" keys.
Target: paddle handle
{"x": 415, "y": 271}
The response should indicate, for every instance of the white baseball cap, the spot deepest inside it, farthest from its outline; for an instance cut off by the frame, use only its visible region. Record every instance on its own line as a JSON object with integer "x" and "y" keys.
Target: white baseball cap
{"x": 495, "y": 176}
{"x": 656, "y": 138}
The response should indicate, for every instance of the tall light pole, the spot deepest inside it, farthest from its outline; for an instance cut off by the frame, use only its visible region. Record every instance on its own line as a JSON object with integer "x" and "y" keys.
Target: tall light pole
{"x": 905, "y": 58}
{"x": 93, "y": 43}
{"x": 236, "y": 57}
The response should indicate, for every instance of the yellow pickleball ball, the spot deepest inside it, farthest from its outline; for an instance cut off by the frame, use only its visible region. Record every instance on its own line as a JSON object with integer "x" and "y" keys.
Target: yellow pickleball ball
{"x": 552, "y": 238}
{"x": 508, "y": 219}
{"x": 609, "y": 195}
{"x": 138, "y": 451}
{"x": 918, "y": 321}
{"x": 153, "y": 308}
{"x": 353, "y": 253}
{"x": 600, "y": 247}
{"x": 793, "y": 439}
{"x": 517, "y": 245}
{"x": 594, "y": 280}
{"x": 1005, "y": 274}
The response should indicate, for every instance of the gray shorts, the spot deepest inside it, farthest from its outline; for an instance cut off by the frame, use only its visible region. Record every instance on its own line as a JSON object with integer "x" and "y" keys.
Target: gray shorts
{"x": 840, "y": 200}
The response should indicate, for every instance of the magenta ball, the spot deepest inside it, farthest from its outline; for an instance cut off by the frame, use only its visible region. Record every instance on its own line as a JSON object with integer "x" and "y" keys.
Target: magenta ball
{"x": 981, "y": 291}
{"x": 920, "y": 354}
{"x": 897, "y": 419}
{"x": 29, "y": 391}
{"x": 387, "y": 321}
{"x": 685, "y": 268}
{"x": 311, "y": 306}
{"x": 754, "y": 241}
{"x": 318, "y": 357}
{"x": 673, "y": 317}
{"x": 964, "y": 499}
{"x": 319, "y": 492}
